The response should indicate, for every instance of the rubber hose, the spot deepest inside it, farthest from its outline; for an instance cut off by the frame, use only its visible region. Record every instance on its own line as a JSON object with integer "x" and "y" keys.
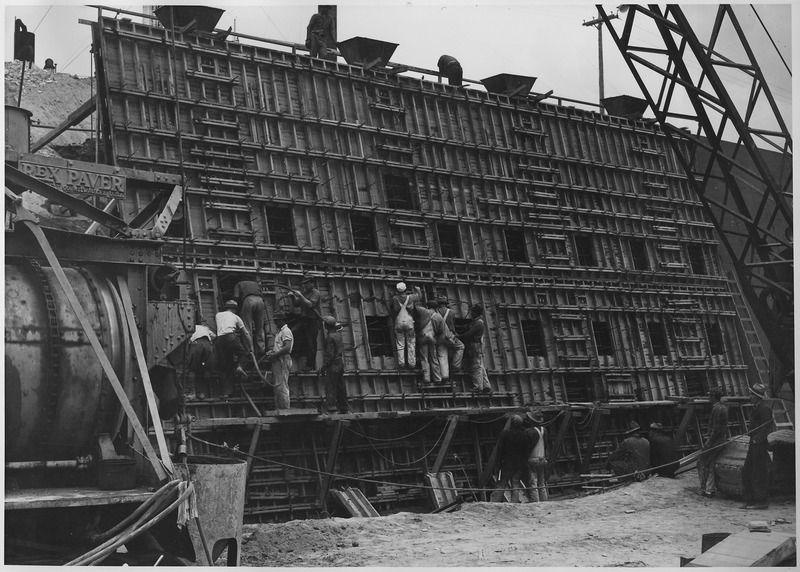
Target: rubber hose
{"x": 103, "y": 536}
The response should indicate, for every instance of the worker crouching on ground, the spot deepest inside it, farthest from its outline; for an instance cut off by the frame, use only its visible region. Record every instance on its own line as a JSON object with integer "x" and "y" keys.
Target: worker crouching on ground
{"x": 755, "y": 473}
{"x": 428, "y": 319}
{"x": 473, "y": 339}
{"x": 663, "y": 453}
{"x": 321, "y": 35}
{"x": 253, "y": 314}
{"x": 333, "y": 367}
{"x": 632, "y": 457}
{"x": 715, "y": 438}
{"x": 281, "y": 361}
{"x": 400, "y": 307}
{"x": 451, "y": 69}
{"x": 448, "y": 344}
{"x": 537, "y": 461}
{"x": 307, "y": 327}
{"x": 513, "y": 451}
{"x": 233, "y": 345}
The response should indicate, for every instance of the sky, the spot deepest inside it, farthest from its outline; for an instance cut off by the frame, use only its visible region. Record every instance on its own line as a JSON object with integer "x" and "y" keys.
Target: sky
{"x": 545, "y": 40}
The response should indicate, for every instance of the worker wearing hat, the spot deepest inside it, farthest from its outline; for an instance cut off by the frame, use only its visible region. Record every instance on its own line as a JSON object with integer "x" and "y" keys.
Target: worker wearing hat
{"x": 755, "y": 473}
{"x": 306, "y": 330}
{"x": 321, "y": 34}
{"x": 513, "y": 450}
{"x": 715, "y": 438}
{"x": 333, "y": 366}
{"x": 450, "y": 350}
{"x": 473, "y": 340}
{"x": 537, "y": 461}
{"x": 231, "y": 351}
{"x": 400, "y": 307}
{"x": 663, "y": 453}
{"x": 280, "y": 359}
{"x": 253, "y": 314}
{"x": 632, "y": 457}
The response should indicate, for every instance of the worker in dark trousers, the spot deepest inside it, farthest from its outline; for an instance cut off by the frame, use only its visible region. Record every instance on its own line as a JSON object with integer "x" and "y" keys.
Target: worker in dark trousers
{"x": 307, "y": 327}
{"x": 513, "y": 449}
{"x": 333, "y": 367}
{"x": 632, "y": 458}
{"x": 473, "y": 339}
{"x": 448, "y": 344}
{"x": 451, "y": 69}
{"x": 321, "y": 34}
{"x": 231, "y": 351}
{"x": 663, "y": 454}
{"x": 717, "y": 432}
{"x": 248, "y": 293}
{"x": 755, "y": 474}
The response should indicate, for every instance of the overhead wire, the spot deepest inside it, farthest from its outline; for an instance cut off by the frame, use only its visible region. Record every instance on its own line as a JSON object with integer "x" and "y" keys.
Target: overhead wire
{"x": 43, "y": 17}
{"x": 774, "y": 45}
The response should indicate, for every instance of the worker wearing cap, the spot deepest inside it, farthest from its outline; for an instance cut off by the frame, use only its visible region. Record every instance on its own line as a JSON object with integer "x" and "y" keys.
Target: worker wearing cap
{"x": 663, "y": 453}
{"x": 333, "y": 366}
{"x": 321, "y": 34}
{"x": 253, "y": 314}
{"x": 451, "y": 69}
{"x": 448, "y": 344}
{"x": 513, "y": 450}
{"x": 473, "y": 339}
{"x": 755, "y": 473}
{"x": 306, "y": 330}
{"x": 231, "y": 352}
{"x": 429, "y": 325}
{"x": 632, "y": 457}
{"x": 280, "y": 359}
{"x": 400, "y": 307}
{"x": 537, "y": 461}
{"x": 715, "y": 438}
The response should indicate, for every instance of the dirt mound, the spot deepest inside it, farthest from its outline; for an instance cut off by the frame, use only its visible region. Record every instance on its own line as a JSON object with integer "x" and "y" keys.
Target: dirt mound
{"x": 651, "y": 523}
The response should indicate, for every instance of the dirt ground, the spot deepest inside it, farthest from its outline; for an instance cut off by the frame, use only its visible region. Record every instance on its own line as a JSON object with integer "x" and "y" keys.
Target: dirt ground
{"x": 651, "y": 523}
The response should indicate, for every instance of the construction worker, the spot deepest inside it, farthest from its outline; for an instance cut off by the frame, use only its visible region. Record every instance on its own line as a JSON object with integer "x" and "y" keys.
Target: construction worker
{"x": 333, "y": 366}
{"x": 513, "y": 450}
{"x": 280, "y": 359}
{"x": 306, "y": 330}
{"x": 400, "y": 307}
{"x": 254, "y": 315}
{"x": 321, "y": 34}
{"x": 428, "y": 319}
{"x": 448, "y": 344}
{"x": 755, "y": 473}
{"x": 537, "y": 461}
{"x": 473, "y": 339}
{"x": 663, "y": 453}
{"x": 200, "y": 354}
{"x": 451, "y": 69}
{"x": 231, "y": 351}
{"x": 632, "y": 457}
{"x": 715, "y": 438}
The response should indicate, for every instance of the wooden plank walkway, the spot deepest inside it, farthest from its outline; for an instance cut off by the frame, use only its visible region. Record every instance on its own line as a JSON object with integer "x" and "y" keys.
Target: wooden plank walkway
{"x": 749, "y": 549}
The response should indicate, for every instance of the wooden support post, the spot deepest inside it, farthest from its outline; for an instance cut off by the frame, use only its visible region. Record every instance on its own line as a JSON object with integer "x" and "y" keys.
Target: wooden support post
{"x": 596, "y": 423}
{"x": 478, "y": 459}
{"x": 452, "y": 423}
{"x": 84, "y": 111}
{"x": 687, "y": 418}
{"x": 559, "y": 441}
{"x": 492, "y": 460}
{"x": 333, "y": 453}
{"x": 255, "y": 439}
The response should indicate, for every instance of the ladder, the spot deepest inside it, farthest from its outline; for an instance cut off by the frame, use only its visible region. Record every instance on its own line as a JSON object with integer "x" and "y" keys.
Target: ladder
{"x": 749, "y": 329}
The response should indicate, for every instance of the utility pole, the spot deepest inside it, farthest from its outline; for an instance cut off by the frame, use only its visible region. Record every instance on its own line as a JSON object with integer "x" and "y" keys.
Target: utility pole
{"x": 598, "y": 23}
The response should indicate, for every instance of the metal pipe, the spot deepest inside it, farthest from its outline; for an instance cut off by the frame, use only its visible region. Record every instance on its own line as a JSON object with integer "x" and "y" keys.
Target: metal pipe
{"x": 79, "y": 463}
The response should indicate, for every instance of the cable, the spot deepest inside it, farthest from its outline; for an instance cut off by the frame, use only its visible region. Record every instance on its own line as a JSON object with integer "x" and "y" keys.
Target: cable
{"x": 51, "y": 7}
{"x": 390, "y": 440}
{"x": 771, "y": 40}
{"x": 79, "y": 53}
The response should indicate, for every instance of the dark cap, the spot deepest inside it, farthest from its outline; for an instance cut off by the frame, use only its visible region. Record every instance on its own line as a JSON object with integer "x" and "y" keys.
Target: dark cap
{"x": 477, "y": 309}
{"x": 308, "y": 278}
{"x": 633, "y": 427}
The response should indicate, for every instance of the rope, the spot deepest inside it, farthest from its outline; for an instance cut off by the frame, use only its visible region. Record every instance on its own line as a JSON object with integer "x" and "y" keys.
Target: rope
{"x": 390, "y": 440}
{"x": 43, "y": 17}
{"x": 771, "y": 40}
{"x": 425, "y": 456}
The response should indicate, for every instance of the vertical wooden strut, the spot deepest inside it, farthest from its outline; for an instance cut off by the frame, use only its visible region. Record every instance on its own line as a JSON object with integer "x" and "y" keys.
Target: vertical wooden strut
{"x": 333, "y": 453}
{"x": 97, "y": 347}
{"x": 492, "y": 460}
{"x": 596, "y": 423}
{"x": 687, "y": 417}
{"x": 562, "y": 433}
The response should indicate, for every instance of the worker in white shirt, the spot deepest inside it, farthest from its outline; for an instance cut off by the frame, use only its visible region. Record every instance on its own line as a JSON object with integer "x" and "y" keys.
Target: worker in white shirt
{"x": 233, "y": 345}
{"x": 281, "y": 360}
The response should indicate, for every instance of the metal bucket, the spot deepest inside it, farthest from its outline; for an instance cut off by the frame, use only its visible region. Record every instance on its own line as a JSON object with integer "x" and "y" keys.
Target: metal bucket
{"x": 18, "y": 129}
{"x": 729, "y": 466}
{"x": 116, "y": 474}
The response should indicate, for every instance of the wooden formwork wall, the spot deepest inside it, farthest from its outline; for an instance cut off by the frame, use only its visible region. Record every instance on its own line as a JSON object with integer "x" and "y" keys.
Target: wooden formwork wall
{"x": 576, "y": 231}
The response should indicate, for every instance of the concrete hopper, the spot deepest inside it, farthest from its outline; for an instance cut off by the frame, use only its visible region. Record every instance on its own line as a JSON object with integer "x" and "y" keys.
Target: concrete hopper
{"x": 625, "y": 106}
{"x": 205, "y": 18}
{"x": 366, "y": 52}
{"x": 509, "y": 84}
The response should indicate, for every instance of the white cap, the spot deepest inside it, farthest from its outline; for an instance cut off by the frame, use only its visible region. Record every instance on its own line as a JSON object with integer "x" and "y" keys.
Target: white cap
{"x": 401, "y": 286}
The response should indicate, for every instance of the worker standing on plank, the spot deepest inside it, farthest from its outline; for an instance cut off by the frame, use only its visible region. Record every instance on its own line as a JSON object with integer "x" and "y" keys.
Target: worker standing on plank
{"x": 448, "y": 343}
{"x": 333, "y": 367}
{"x": 451, "y": 69}
{"x": 513, "y": 451}
{"x": 321, "y": 34}
{"x": 717, "y": 432}
{"x": 231, "y": 332}
{"x": 400, "y": 307}
{"x": 307, "y": 327}
{"x": 755, "y": 473}
{"x": 254, "y": 315}
{"x": 473, "y": 339}
{"x": 281, "y": 360}
{"x": 632, "y": 457}
{"x": 428, "y": 320}
{"x": 537, "y": 461}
